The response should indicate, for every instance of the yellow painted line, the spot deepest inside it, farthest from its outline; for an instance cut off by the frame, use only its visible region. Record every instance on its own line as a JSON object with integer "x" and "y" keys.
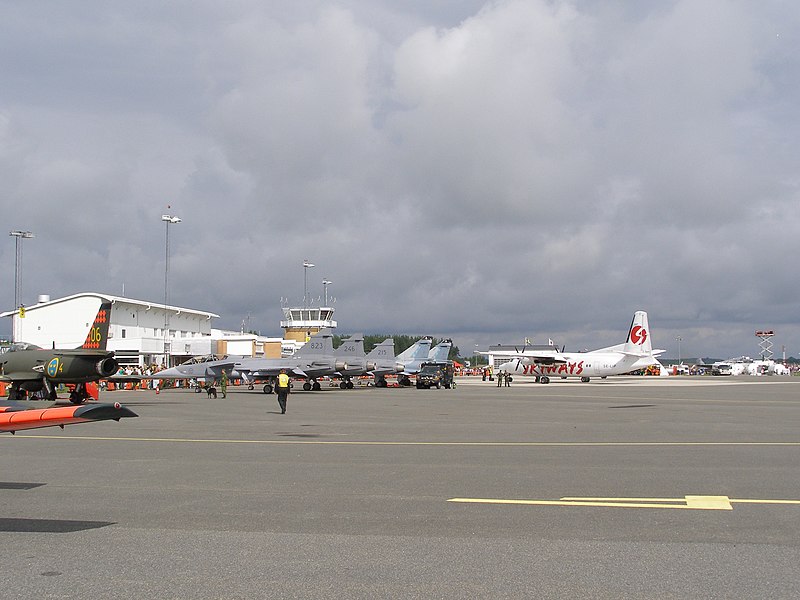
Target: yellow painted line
{"x": 691, "y": 502}
{"x": 411, "y": 443}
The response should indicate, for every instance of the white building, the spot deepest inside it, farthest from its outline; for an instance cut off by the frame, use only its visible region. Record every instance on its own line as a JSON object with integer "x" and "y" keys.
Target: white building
{"x": 140, "y": 332}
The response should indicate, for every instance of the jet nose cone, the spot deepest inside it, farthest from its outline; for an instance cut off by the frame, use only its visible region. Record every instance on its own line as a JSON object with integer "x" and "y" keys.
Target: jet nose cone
{"x": 172, "y": 373}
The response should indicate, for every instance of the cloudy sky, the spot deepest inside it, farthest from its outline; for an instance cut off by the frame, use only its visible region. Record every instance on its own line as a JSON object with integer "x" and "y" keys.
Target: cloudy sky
{"x": 481, "y": 170}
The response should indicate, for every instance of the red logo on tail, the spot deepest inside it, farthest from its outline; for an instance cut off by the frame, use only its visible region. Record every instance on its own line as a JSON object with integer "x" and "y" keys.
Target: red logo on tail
{"x": 638, "y": 334}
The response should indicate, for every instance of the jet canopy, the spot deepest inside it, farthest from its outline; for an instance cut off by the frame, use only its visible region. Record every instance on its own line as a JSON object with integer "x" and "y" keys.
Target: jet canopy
{"x": 198, "y": 360}
{"x": 20, "y": 346}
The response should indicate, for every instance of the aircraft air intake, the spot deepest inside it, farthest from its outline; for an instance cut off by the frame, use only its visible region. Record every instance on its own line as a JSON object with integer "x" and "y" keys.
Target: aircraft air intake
{"x": 107, "y": 367}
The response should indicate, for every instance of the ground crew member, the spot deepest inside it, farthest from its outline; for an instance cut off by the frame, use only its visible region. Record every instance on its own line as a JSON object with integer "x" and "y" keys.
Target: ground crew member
{"x": 283, "y": 390}
{"x": 500, "y": 379}
{"x": 223, "y": 384}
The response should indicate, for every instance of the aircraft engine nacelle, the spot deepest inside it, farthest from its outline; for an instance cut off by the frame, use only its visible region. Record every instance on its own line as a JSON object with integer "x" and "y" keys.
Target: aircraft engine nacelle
{"x": 107, "y": 367}
{"x": 340, "y": 365}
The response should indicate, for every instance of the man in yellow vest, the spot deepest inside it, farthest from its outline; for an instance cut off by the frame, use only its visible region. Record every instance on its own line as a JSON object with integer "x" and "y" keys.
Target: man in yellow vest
{"x": 283, "y": 390}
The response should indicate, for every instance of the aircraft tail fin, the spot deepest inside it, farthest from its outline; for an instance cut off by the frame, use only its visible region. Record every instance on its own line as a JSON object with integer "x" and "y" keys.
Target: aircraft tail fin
{"x": 383, "y": 351}
{"x": 418, "y": 351}
{"x": 352, "y": 346}
{"x": 441, "y": 352}
{"x": 97, "y": 338}
{"x": 639, "y": 342}
{"x": 321, "y": 343}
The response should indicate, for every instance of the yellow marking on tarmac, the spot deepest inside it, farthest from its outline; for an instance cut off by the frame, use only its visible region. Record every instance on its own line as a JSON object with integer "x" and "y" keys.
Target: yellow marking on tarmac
{"x": 685, "y": 503}
{"x": 20, "y": 435}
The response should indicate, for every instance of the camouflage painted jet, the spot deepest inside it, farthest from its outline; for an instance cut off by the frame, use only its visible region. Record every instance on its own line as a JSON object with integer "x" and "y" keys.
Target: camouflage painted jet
{"x": 29, "y": 368}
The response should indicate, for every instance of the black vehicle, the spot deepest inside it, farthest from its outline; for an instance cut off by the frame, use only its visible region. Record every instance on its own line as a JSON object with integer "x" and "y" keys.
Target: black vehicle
{"x": 435, "y": 374}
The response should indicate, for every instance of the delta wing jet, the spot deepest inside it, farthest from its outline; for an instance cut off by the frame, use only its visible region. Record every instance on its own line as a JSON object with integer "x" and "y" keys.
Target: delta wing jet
{"x": 379, "y": 362}
{"x": 636, "y": 353}
{"x": 30, "y": 368}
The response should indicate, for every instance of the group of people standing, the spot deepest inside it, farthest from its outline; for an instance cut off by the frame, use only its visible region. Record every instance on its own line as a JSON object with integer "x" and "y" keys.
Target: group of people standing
{"x": 504, "y": 379}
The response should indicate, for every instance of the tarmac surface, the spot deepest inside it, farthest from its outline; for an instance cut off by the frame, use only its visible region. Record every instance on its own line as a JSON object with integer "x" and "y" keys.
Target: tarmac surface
{"x": 619, "y": 488}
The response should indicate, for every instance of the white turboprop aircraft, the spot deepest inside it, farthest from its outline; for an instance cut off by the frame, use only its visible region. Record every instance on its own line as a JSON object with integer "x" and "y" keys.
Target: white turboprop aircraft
{"x": 636, "y": 353}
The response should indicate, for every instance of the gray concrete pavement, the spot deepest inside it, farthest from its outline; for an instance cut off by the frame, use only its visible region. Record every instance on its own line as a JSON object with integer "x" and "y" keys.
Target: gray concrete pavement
{"x": 347, "y": 495}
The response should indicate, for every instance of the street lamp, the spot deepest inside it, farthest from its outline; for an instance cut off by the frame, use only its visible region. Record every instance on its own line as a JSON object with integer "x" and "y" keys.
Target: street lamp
{"x": 168, "y": 220}
{"x": 679, "y": 339}
{"x": 325, "y": 284}
{"x": 18, "y": 235}
{"x": 306, "y": 266}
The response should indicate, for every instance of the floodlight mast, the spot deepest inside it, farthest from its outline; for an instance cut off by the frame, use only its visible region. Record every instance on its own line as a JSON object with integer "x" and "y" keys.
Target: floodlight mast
{"x": 168, "y": 220}
{"x": 18, "y": 237}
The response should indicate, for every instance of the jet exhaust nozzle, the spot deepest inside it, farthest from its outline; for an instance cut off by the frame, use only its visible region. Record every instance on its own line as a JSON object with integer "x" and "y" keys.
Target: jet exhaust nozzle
{"x": 399, "y": 367}
{"x": 340, "y": 365}
{"x": 107, "y": 367}
{"x": 371, "y": 366}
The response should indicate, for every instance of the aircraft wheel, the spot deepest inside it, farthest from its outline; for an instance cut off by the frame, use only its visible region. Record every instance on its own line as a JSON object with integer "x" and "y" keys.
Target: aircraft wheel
{"x": 197, "y": 389}
{"x": 316, "y": 386}
{"x": 267, "y": 389}
{"x": 306, "y": 387}
{"x": 350, "y": 385}
{"x": 585, "y": 379}
{"x": 544, "y": 379}
{"x": 251, "y": 387}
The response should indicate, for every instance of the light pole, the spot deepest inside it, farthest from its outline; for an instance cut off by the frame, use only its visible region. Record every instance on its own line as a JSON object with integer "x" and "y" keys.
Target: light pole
{"x": 325, "y": 284}
{"x": 678, "y": 339}
{"x": 168, "y": 220}
{"x": 306, "y": 266}
{"x": 18, "y": 237}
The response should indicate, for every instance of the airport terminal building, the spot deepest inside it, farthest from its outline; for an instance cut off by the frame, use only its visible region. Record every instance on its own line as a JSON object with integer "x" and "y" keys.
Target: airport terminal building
{"x": 140, "y": 333}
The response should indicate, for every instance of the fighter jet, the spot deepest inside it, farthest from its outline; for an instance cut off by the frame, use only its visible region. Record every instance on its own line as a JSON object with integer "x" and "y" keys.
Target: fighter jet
{"x": 411, "y": 360}
{"x": 379, "y": 362}
{"x": 636, "y": 353}
{"x": 315, "y": 359}
{"x": 30, "y": 368}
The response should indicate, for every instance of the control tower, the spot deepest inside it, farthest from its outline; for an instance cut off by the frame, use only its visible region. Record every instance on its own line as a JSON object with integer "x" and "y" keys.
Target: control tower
{"x": 301, "y": 323}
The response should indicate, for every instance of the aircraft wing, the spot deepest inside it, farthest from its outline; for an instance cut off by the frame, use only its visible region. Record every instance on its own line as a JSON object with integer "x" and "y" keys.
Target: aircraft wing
{"x": 539, "y": 359}
{"x": 15, "y": 418}
{"x": 275, "y": 371}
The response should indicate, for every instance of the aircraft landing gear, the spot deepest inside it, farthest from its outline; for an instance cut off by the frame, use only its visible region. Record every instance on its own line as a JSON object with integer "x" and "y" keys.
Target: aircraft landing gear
{"x": 306, "y": 387}
{"x": 267, "y": 388}
{"x": 346, "y": 384}
{"x": 316, "y": 386}
{"x": 79, "y": 394}
{"x": 585, "y": 379}
{"x": 404, "y": 380}
{"x": 544, "y": 379}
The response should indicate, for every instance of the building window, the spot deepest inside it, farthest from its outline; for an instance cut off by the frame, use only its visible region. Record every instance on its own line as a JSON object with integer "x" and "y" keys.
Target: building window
{"x": 123, "y": 334}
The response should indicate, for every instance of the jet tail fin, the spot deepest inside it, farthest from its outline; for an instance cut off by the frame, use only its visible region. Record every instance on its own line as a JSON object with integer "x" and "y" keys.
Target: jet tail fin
{"x": 97, "y": 338}
{"x": 639, "y": 342}
{"x": 353, "y": 346}
{"x": 321, "y": 343}
{"x": 384, "y": 350}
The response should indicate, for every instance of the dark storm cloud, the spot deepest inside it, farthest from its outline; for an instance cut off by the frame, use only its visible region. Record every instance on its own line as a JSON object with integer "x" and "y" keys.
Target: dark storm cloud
{"x": 483, "y": 170}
